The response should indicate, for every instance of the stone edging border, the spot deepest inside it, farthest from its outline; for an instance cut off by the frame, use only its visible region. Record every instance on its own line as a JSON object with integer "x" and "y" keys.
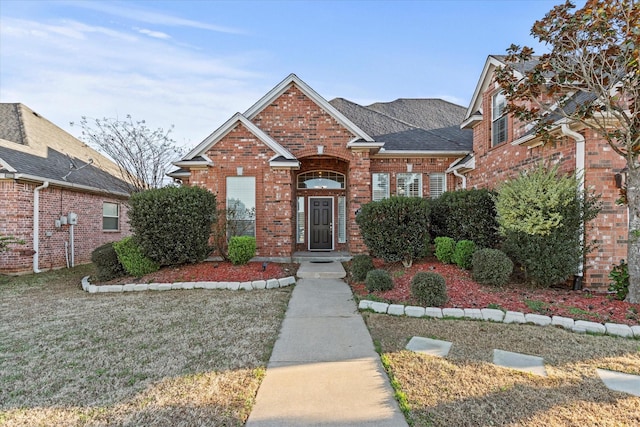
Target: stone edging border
{"x": 234, "y": 286}
{"x": 495, "y": 315}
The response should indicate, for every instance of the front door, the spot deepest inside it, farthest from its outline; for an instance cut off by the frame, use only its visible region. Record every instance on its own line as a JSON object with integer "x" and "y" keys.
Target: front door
{"x": 321, "y": 223}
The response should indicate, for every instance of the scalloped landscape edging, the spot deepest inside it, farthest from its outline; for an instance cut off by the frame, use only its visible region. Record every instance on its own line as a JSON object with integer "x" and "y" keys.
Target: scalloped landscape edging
{"x": 494, "y": 315}
{"x": 234, "y": 286}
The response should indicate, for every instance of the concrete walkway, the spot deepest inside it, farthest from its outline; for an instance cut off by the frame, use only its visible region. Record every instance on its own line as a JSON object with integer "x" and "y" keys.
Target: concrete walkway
{"x": 324, "y": 370}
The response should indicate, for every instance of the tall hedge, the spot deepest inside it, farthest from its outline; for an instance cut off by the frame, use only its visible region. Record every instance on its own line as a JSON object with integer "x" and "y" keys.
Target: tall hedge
{"x": 395, "y": 229}
{"x": 172, "y": 225}
{"x": 542, "y": 215}
{"x": 466, "y": 215}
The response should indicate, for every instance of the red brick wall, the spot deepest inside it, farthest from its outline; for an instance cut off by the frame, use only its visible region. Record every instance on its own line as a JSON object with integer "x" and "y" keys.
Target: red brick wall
{"x": 505, "y": 161}
{"x": 16, "y": 204}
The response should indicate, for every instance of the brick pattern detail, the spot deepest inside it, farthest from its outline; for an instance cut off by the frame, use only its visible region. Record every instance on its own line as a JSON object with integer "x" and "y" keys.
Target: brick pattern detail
{"x": 16, "y": 203}
{"x": 608, "y": 230}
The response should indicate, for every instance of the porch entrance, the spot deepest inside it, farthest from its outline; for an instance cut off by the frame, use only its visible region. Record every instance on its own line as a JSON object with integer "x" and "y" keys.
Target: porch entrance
{"x": 320, "y": 223}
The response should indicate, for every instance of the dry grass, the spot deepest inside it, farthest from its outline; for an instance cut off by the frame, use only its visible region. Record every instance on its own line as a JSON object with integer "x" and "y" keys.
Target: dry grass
{"x": 152, "y": 358}
{"x": 466, "y": 389}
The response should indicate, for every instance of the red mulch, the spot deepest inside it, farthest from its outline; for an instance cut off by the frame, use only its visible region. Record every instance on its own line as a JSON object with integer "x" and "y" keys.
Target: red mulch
{"x": 210, "y": 271}
{"x": 463, "y": 292}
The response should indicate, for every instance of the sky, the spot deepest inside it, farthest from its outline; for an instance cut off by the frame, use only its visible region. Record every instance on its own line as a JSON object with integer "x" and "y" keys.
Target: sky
{"x": 193, "y": 64}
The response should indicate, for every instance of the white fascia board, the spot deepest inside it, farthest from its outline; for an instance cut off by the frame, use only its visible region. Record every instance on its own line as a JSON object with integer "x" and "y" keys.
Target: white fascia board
{"x": 485, "y": 79}
{"x": 223, "y": 130}
{"x": 284, "y": 165}
{"x": 6, "y": 166}
{"x": 356, "y": 144}
{"x": 471, "y": 121}
{"x": 33, "y": 178}
{"x": 407, "y": 153}
{"x": 188, "y": 163}
{"x": 466, "y": 166}
{"x": 313, "y": 95}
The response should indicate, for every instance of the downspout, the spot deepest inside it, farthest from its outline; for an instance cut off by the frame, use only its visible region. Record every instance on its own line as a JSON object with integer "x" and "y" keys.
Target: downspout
{"x": 459, "y": 175}
{"x": 580, "y": 162}
{"x": 36, "y": 225}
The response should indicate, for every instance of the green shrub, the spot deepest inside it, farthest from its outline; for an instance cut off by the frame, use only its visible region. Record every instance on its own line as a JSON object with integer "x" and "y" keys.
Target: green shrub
{"x": 542, "y": 216}
{"x": 378, "y": 280}
{"x": 466, "y": 215}
{"x": 429, "y": 289}
{"x": 133, "y": 260}
{"x": 620, "y": 280}
{"x": 360, "y": 266}
{"x": 106, "y": 261}
{"x": 491, "y": 267}
{"x": 395, "y": 229}
{"x": 172, "y": 225}
{"x": 463, "y": 254}
{"x": 241, "y": 249}
{"x": 445, "y": 247}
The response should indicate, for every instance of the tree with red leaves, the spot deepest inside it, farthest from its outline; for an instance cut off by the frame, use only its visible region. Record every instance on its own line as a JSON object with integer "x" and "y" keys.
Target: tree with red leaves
{"x": 590, "y": 77}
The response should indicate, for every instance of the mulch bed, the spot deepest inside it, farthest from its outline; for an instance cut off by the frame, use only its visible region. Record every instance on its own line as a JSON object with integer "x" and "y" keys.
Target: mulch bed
{"x": 463, "y": 292}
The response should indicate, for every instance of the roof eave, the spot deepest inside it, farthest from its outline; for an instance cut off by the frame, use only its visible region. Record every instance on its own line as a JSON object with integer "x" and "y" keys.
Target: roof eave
{"x": 471, "y": 122}
{"x": 87, "y": 188}
{"x": 421, "y": 153}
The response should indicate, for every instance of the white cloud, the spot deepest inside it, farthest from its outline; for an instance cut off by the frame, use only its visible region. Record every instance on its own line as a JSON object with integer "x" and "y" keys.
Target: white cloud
{"x": 155, "y": 34}
{"x": 65, "y": 70}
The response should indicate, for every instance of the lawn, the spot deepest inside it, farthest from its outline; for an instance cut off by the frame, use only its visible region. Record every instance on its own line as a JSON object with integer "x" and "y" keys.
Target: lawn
{"x": 466, "y": 389}
{"x": 151, "y": 358}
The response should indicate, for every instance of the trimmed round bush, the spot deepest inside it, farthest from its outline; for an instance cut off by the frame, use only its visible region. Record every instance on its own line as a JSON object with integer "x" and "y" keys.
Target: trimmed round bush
{"x": 491, "y": 267}
{"x": 429, "y": 289}
{"x": 241, "y": 249}
{"x": 378, "y": 280}
{"x": 106, "y": 261}
{"x": 445, "y": 247}
{"x": 131, "y": 256}
{"x": 463, "y": 254}
{"x": 360, "y": 266}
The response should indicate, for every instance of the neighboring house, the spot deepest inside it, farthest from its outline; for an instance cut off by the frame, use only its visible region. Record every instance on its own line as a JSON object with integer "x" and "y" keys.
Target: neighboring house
{"x": 503, "y": 146}
{"x": 307, "y": 165}
{"x": 58, "y": 195}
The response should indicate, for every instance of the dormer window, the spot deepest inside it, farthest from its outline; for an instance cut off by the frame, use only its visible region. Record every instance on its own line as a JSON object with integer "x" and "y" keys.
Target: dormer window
{"x": 498, "y": 119}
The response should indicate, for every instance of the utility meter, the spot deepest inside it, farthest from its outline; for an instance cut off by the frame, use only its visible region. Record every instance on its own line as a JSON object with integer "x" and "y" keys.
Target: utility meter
{"x": 73, "y": 218}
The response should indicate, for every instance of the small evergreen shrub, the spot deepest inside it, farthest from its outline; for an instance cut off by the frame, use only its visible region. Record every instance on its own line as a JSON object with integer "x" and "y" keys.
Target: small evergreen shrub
{"x": 463, "y": 253}
{"x": 445, "y": 247}
{"x": 131, "y": 257}
{"x": 429, "y": 289}
{"x": 106, "y": 261}
{"x": 360, "y": 266}
{"x": 378, "y": 280}
{"x": 491, "y": 267}
{"x": 619, "y": 280}
{"x": 241, "y": 249}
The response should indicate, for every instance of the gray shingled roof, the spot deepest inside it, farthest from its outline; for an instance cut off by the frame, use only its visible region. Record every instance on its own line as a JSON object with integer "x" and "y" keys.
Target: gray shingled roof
{"x": 36, "y": 147}
{"x": 441, "y": 131}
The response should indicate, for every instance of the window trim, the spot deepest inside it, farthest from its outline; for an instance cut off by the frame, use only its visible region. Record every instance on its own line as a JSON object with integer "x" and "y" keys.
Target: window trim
{"x": 317, "y": 174}
{"x": 117, "y": 216}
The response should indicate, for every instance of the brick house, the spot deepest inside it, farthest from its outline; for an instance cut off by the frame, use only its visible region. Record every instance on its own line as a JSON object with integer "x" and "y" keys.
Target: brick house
{"x": 503, "y": 146}
{"x": 58, "y": 195}
{"x": 307, "y": 165}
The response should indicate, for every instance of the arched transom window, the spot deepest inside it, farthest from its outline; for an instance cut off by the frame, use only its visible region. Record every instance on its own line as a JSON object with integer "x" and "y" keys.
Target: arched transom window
{"x": 321, "y": 180}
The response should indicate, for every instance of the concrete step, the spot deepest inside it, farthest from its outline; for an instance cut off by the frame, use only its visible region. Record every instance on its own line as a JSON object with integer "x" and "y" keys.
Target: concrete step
{"x": 321, "y": 270}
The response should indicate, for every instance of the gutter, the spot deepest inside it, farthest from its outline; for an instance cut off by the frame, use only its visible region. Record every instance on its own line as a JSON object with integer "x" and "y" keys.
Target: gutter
{"x": 36, "y": 225}
{"x": 580, "y": 162}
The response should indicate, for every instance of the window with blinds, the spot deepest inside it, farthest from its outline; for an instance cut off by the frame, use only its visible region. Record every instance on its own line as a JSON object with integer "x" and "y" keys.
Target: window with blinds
{"x": 300, "y": 221}
{"x": 409, "y": 185}
{"x": 498, "y": 119}
{"x": 342, "y": 219}
{"x": 379, "y": 186}
{"x": 437, "y": 184}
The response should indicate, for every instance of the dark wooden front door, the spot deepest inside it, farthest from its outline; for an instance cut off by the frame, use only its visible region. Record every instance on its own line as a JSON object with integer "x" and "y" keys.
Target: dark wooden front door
{"x": 321, "y": 223}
